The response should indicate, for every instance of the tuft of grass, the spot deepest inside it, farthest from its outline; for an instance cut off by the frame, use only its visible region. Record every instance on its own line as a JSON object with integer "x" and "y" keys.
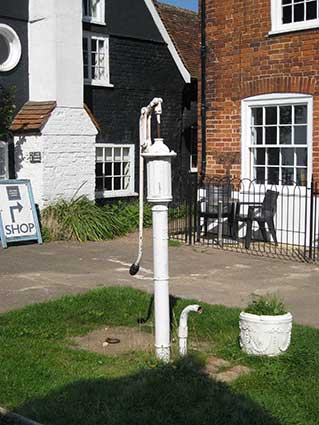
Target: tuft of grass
{"x": 83, "y": 220}
{"x": 80, "y": 219}
{"x": 128, "y": 215}
{"x": 174, "y": 243}
{"x": 266, "y": 305}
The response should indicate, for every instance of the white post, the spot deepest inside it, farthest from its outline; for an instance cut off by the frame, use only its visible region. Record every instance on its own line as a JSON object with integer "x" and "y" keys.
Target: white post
{"x": 161, "y": 291}
{"x": 159, "y": 193}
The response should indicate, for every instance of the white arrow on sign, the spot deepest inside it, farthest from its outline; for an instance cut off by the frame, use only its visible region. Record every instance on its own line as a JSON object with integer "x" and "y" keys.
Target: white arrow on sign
{"x": 18, "y": 207}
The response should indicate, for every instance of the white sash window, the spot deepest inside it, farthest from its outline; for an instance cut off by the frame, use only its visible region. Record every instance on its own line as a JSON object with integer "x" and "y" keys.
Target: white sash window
{"x": 114, "y": 170}
{"x": 96, "y": 60}
{"x": 94, "y": 11}
{"x": 294, "y": 15}
{"x": 277, "y": 139}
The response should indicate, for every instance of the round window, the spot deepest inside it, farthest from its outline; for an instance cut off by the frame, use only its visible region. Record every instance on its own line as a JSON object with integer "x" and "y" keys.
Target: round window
{"x": 10, "y": 48}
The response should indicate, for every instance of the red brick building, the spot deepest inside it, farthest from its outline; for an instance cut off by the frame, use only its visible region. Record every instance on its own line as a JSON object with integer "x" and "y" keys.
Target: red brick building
{"x": 262, "y": 89}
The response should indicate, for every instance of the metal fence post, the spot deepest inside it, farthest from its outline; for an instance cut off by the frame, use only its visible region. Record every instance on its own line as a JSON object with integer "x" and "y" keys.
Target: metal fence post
{"x": 190, "y": 207}
{"x": 311, "y": 219}
{"x": 195, "y": 196}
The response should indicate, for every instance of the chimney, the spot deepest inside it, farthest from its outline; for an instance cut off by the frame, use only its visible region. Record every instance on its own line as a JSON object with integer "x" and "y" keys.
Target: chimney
{"x": 55, "y": 52}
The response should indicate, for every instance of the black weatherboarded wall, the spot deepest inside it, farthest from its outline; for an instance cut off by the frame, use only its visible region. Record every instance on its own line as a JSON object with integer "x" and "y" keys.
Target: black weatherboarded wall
{"x": 15, "y": 13}
{"x": 141, "y": 68}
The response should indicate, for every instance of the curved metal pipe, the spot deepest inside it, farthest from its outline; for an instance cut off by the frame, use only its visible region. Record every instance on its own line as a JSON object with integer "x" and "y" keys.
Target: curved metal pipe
{"x": 183, "y": 328}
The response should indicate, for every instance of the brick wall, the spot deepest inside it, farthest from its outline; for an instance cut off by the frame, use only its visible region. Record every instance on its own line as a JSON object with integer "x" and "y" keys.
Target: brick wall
{"x": 244, "y": 60}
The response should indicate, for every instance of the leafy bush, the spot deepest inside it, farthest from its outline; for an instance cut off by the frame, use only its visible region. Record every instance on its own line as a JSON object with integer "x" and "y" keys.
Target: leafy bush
{"x": 178, "y": 212}
{"x": 80, "y": 219}
{"x": 83, "y": 220}
{"x": 128, "y": 215}
{"x": 7, "y": 109}
{"x": 267, "y": 305}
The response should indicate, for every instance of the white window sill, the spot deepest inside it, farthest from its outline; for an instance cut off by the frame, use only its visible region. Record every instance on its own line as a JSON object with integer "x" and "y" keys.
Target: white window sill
{"x": 193, "y": 170}
{"x": 115, "y": 194}
{"x": 90, "y": 20}
{"x": 295, "y": 27}
{"x": 98, "y": 83}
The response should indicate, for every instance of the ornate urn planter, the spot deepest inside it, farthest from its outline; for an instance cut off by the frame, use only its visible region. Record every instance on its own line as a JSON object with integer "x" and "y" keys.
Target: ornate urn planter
{"x": 265, "y": 335}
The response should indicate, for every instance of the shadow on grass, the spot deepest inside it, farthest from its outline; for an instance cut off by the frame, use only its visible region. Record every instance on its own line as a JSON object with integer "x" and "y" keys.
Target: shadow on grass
{"x": 176, "y": 394}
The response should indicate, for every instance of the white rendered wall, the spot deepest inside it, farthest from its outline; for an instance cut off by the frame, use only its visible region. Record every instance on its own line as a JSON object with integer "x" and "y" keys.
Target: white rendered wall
{"x": 23, "y": 145}
{"x": 68, "y": 155}
{"x": 55, "y": 51}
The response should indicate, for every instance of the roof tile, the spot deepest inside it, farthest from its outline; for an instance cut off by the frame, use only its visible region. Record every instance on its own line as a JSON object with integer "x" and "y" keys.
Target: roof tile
{"x": 184, "y": 30}
{"x": 32, "y": 117}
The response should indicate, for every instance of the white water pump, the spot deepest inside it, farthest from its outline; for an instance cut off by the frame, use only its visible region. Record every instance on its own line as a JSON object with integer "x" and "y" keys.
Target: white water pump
{"x": 158, "y": 158}
{"x": 159, "y": 193}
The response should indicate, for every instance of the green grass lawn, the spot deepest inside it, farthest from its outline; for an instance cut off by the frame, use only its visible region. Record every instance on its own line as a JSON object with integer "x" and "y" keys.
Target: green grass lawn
{"x": 43, "y": 378}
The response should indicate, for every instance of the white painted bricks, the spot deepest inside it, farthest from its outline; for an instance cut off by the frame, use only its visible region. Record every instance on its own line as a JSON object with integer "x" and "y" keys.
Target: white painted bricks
{"x": 24, "y": 169}
{"x": 67, "y": 145}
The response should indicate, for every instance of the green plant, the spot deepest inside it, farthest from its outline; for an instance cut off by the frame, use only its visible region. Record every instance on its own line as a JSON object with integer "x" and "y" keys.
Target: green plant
{"x": 128, "y": 215}
{"x": 7, "y": 109}
{"x": 266, "y": 305}
{"x": 80, "y": 219}
{"x": 178, "y": 212}
{"x": 46, "y": 234}
{"x": 174, "y": 243}
{"x": 83, "y": 220}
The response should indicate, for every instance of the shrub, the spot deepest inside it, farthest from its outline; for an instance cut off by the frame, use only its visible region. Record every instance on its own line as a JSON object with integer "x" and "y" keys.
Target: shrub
{"x": 83, "y": 220}
{"x": 7, "y": 109}
{"x": 80, "y": 219}
{"x": 128, "y": 215}
{"x": 267, "y": 305}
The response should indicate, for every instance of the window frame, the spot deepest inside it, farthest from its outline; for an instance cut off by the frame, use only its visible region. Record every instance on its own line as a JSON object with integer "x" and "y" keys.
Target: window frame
{"x": 14, "y": 48}
{"x": 124, "y": 192}
{"x": 193, "y": 151}
{"x": 94, "y": 81}
{"x": 278, "y": 27}
{"x": 274, "y": 99}
{"x": 4, "y": 145}
{"x": 88, "y": 18}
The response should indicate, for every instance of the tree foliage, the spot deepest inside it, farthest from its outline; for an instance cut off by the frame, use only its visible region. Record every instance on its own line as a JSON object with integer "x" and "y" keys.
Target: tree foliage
{"x": 7, "y": 109}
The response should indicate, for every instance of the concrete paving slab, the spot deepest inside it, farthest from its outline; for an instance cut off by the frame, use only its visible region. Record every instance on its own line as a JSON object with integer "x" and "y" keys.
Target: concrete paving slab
{"x": 34, "y": 273}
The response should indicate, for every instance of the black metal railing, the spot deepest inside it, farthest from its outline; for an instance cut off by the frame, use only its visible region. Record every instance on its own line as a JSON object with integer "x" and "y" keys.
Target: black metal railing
{"x": 242, "y": 215}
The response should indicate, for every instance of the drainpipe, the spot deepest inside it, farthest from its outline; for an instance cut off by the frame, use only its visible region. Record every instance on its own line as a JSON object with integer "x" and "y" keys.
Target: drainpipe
{"x": 183, "y": 328}
{"x": 203, "y": 86}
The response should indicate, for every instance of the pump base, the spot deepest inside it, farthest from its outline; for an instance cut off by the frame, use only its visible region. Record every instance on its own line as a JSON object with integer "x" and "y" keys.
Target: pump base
{"x": 163, "y": 353}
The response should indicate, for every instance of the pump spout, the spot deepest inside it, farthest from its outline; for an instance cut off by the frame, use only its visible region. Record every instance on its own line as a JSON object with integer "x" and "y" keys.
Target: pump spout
{"x": 183, "y": 328}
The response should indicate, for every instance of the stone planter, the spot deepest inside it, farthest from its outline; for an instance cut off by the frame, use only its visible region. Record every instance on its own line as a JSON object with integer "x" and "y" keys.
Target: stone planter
{"x": 265, "y": 335}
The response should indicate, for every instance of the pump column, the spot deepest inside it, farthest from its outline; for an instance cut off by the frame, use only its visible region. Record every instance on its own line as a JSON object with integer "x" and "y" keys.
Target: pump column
{"x": 159, "y": 193}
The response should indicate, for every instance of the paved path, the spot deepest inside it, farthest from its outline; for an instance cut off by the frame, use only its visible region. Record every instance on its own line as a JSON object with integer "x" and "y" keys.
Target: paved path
{"x": 36, "y": 273}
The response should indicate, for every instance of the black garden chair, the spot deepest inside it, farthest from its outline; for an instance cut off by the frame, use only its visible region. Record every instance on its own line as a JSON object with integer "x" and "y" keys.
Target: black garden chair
{"x": 215, "y": 205}
{"x": 263, "y": 213}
